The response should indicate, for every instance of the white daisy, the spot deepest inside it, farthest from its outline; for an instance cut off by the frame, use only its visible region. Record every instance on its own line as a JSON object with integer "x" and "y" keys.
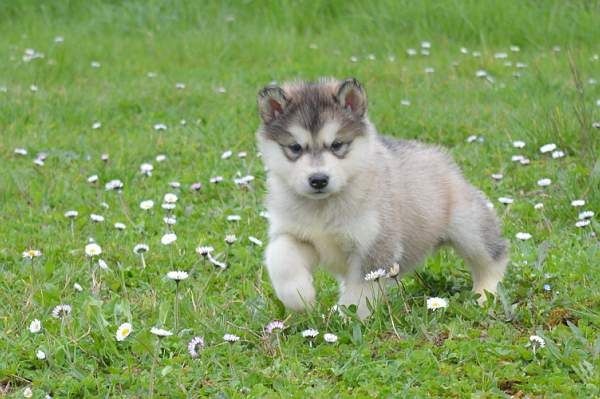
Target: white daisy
{"x": 168, "y": 238}
{"x": 104, "y": 157}
{"x": 140, "y": 248}
{"x": 115, "y": 184}
{"x": 586, "y": 215}
{"x": 160, "y": 126}
{"x": 93, "y": 249}
{"x": 32, "y": 253}
{"x": 216, "y": 179}
{"x": 194, "y": 345}
{"x": 538, "y": 206}
{"x": 123, "y": 331}
{"x": 514, "y": 49}
{"x": 310, "y": 333}
{"x": 40, "y": 354}
{"x": 20, "y": 151}
{"x": 168, "y": 206}
{"x": 518, "y": 144}
{"x": 35, "y": 326}
{"x": 557, "y": 154}
{"x": 255, "y": 241}
{"x": 102, "y": 264}
{"x": 146, "y": 169}
{"x": 234, "y": 218}
{"x": 405, "y": 103}
{"x": 95, "y": 64}
{"x": 174, "y": 184}
{"x": 517, "y": 158}
{"x": 27, "y": 392}
{"x": 170, "y": 198}
{"x": 120, "y": 226}
{"x": 505, "y": 200}
{"x": 230, "y": 338}
{"x": 577, "y": 203}
{"x": 394, "y": 270}
{"x": 71, "y": 214}
{"x": 177, "y": 275}
{"x": 77, "y": 287}
{"x": 331, "y": 338}
{"x": 523, "y": 236}
{"x": 61, "y": 311}
{"x": 274, "y": 325}
{"x": 411, "y": 52}
{"x": 92, "y": 179}
{"x": 161, "y": 158}
{"x": 170, "y": 220}
{"x": 180, "y": 86}
{"x": 216, "y": 262}
{"x": 159, "y": 332}
{"x": 146, "y": 205}
{"x": 196, "y": 186}
{"x": 96, "y": 125}
{"x": 537, "y": 341}
{"x": 375, "y": 275}
{"x": 547, "y": 148}
{"x": 242, "y": 154}
{"x": 544, "y": 182}
{"x": 104, "y": 205}
{"x": 230, "y": 239}
{"x": 583, "y": 223}
{"x": 204, "y": 250}
{"x": 264, "y": 214}
{"x": 226, "y": 154}
{"x": 435, "y": 303}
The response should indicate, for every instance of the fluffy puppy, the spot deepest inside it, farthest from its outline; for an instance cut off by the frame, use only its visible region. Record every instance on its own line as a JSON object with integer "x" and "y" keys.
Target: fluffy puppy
{"x": 342, "y": 196}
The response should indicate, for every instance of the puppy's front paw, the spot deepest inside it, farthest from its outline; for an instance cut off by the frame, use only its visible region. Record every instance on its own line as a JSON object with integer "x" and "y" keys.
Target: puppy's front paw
{"x": 296, "y": 295}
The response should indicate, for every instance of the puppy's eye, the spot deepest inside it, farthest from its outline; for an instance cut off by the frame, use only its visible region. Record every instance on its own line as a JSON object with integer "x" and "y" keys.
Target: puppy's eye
{"x": 336, "y": 145}
{"x": 295, "y": 148}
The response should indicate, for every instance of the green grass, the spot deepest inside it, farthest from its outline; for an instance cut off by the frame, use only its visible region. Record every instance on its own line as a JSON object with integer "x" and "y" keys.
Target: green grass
{"x": 463, "y": 351}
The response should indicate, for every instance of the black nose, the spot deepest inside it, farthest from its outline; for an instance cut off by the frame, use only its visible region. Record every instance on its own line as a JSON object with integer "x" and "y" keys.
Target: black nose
{"x": 318, "y": 180}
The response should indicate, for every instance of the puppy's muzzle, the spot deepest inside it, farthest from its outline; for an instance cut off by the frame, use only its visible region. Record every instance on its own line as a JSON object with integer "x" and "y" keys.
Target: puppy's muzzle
{"x": 318, "y": 181}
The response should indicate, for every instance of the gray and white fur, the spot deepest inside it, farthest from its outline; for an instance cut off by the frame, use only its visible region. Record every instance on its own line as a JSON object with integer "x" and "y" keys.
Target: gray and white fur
{"x": 342, "y": 196}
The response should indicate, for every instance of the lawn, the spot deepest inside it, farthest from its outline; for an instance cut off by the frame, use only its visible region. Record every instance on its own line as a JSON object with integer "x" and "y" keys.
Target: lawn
{"x": 100, "y": 88}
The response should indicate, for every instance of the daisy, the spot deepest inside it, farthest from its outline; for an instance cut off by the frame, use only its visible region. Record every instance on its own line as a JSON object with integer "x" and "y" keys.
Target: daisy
{"x": 20, "y": 151}
{"x": 97, "y": 218}
{"x": 161, "y": 158}
{"x": 518, "y": 144}
{"x": 104, "y": 205}
{"x": 168, "y": 206}
{"x": 264, "y": 214}
{"x": 230, "y": 338}
{"x": 196, "y": 186}
{"x": 375, "y": 275}
{"x": 505, "y": 200}
{"x": 216, "y": 262}
{"x": 497, "y": 176}
{"x": 174, "y": 184}
{"x": 242, "y": 154}
{"x": 255, "y": 241}
{"x": 102, "y": 264}
{"x": 274, "y": 325}
{"x": 230, "y": 239}
{"x": 92, "y": 179}
{"x": 40, "y": 354}
{"x": 71, "y": 214}
{"x": 547, "y": 148}
{"x": 577, "y": 203}
{"x": 537, "y": 341}
{"x": 61, "y": 311}
{"x": 514, "y": 49}
{"x": 394, "y": 271}
{"x": 146, "y": 169}
{"x": 544, "y": 182}
{"x": 140, "y": 248}
{"x": 160, "y": 126}
{"x": 582, "y": 223}
{"x": 330, "y": 338}
{"x": 436, "y": 303}
{"x": 234, "y": 218}
{"x": 93, "y": 249}
{"x": 227, "y": 154}
{"x": 160, "y": 333}
{"x": 411, "y": 52}
{"x": 586, "y": 215}
{"x": 539, "y": 205}
{"x": 95, "y": 64}
{"x": 27, "y": 392}
{"x": 32, "y": 253}
{"x": 517, "y": 158}
{"x": 216, "y": 179}
{"x": 168, "y": 239}
{"x": 115, "y": 184}
{"x": 170, "y": 220}
{"x": 196, "y": 343}
{"x": 405, "y": 103}
{"x": 104, "y": 157}
{"x": 77, "y": 287}
{"x": 38, "y": 162}
{"x": 177, "y": 275}
{"x": 146, "y": 205}
{"x": 557, "y": 154}
{"x": 180, "y": 86}
{"x": 310, "y": 333}
{"x": 204, "y": 251}
{"x": 35, "y": 326}
{"x": 170, "y": 198}
{"x": 123, "y": 331}
{"x": 120, "y": 226}
{"x": 523, "y": 236}
{"x": 96, "y": 125}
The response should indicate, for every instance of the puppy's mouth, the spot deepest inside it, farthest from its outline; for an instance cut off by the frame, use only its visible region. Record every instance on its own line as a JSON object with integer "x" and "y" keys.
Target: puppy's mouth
{"x": 318, "y": 194}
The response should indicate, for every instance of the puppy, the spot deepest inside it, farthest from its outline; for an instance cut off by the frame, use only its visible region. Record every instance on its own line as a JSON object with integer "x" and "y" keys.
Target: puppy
{"x": 342, "y": 196}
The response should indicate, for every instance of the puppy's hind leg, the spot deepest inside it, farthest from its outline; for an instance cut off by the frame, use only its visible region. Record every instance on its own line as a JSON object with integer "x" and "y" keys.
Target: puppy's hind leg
{"x": 290, "y": 262}
{"x": 475, "y": 234}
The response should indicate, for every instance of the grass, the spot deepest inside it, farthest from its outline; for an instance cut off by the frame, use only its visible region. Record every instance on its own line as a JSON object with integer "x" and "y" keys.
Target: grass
{"x": 461, "y": 351}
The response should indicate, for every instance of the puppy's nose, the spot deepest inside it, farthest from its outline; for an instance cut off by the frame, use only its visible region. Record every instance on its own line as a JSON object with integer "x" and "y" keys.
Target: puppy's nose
{"x": 318, "y": 180}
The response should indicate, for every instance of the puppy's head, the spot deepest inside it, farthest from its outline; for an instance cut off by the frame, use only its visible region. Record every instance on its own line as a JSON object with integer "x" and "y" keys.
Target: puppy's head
{"x": 313, "y": 135}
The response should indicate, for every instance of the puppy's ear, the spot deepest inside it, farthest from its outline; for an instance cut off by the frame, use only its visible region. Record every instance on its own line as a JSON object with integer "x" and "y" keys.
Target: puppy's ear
{"x": 272, "y": 101}
{"x": 352, "y": 97}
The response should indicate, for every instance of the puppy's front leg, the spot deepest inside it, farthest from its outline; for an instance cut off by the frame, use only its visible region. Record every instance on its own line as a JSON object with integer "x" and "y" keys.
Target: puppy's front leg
{"x": 290, "y": 264}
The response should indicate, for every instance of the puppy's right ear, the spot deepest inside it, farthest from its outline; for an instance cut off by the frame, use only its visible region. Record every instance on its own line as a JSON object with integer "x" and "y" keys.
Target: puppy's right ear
{"x": 272, "y": 101}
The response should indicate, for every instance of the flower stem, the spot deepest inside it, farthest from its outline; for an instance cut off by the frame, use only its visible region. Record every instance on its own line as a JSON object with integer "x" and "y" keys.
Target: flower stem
{"x": 152, "y": 370}
{"x": 176, "y": 304}
{"x": 385, "y": 299}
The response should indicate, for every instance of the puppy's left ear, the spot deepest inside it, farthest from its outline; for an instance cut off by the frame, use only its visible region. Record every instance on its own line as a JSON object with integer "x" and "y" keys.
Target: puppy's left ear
{"x": 352, "y": 97}
{"x": 272, "y": 101}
